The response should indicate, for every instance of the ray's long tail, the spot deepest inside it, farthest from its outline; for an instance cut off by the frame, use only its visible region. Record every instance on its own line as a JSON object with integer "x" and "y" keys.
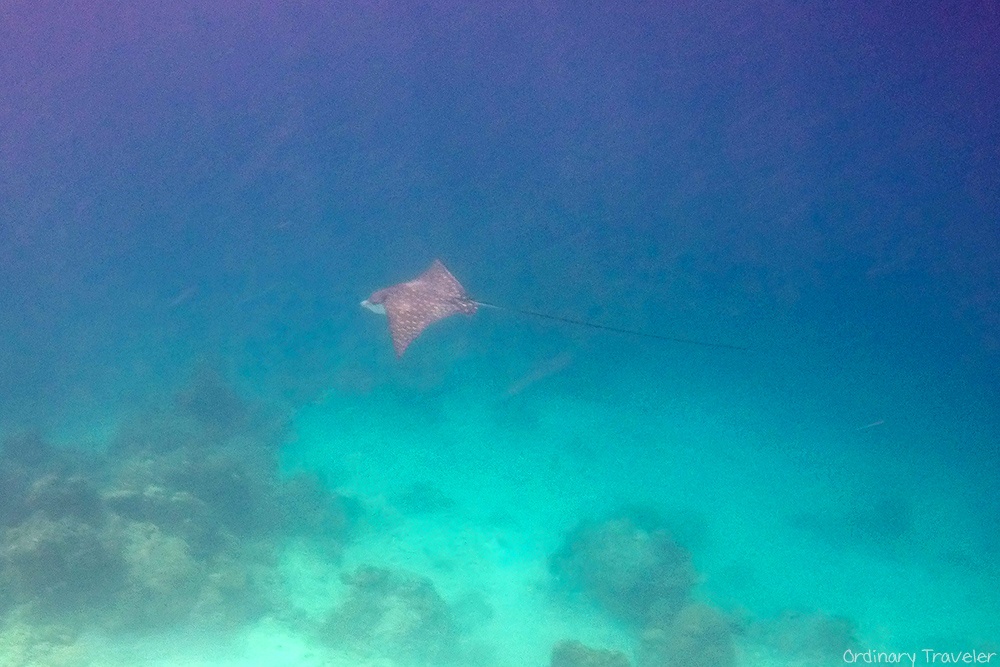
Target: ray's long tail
{"x": 605, "y": 327}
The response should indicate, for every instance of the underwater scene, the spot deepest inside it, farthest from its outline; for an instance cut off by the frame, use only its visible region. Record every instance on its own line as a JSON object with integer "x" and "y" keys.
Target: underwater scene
{"x": 523, "y": 333}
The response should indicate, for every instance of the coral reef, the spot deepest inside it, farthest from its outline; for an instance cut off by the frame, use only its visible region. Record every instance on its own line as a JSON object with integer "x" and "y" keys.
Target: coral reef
{"x": 571, "y": 653}
{"x": 61, "y": 497}
{"x": 24, "y": 643}
{"x": 636, "y": 572}
{"x": 631, "y": 566}
{"x": 14, "y": 482}
{"x": 167, "y": 584}
{"x": 395, "y": 615}
{"x": 164, "y": 578}
{"x": 33, "y": 471}
{"x": 696, "y": 636}
{"x": 176, "y": 523}
{"x": 308, "y": 507}
{"x": 177, "y": 513}
{"x": 215, "y": 405}
{"x": 61, "y": 565}
{"x": 239, "y": 493}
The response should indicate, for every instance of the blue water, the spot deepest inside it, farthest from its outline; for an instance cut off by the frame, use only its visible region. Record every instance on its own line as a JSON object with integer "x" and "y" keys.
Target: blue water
{"x": 211, "y": 455}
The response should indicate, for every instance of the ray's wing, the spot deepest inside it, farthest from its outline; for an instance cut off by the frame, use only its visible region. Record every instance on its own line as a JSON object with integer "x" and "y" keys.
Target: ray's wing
{"x": 410, "y": 312}
{"x": 440, "y": 281}
{"x": 413, "y": 306}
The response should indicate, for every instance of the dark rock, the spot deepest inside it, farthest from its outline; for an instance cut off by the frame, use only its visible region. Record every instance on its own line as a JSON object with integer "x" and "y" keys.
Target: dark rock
{"x": 71, "y": 497}
{"x": 175, "y": 512}
{"x": 635, "y": 573}
{"x": 696, "y": 636}
{"x": 395, "y": 615}
{"x": 213, "y": 403}
{"x": 14, "y": 482}
{"x": 308, "y": 507}
{"x": 169, "y": 584}
{"x": 240, "y": 492}
{"x": 60, "y": 565}
{"x": 571, "y": 653}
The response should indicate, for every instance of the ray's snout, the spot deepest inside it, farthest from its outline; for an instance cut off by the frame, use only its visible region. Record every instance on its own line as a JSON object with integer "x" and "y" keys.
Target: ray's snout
{"x": 376, "y": 302}
{"x": 374, "y": 307}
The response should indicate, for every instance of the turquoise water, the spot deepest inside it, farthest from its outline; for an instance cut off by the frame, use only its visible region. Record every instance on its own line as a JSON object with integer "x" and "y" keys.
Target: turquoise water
{"x": 211, "y": 456}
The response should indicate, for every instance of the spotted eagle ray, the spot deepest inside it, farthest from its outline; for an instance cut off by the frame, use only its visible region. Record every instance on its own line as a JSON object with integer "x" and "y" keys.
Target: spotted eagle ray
{"x": 436, "y": 294}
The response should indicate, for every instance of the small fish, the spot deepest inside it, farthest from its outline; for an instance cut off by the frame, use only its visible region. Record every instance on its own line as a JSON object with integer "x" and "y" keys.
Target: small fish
{"x": 868, "y": 426}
